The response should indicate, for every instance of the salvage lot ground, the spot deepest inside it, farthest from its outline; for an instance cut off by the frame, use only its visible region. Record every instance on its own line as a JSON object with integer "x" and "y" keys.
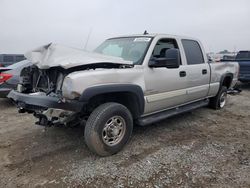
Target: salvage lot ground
{"x": 200, "y": 148}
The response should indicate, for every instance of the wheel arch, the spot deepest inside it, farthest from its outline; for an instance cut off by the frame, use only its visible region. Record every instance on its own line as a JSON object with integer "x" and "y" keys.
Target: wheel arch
{"x": 226, "y": 80}
{"x": 129, "y": 95}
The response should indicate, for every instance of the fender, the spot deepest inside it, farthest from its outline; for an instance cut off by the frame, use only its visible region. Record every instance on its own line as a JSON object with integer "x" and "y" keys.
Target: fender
{"x": 114, "y": 88}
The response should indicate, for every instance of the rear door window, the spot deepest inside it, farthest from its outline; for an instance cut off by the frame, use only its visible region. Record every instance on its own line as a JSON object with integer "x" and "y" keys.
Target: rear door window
{"x": 193, "y": 52}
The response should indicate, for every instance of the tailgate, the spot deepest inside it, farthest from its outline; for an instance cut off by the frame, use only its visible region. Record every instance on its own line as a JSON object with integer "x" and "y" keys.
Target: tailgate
{"x": 245, "y": 66}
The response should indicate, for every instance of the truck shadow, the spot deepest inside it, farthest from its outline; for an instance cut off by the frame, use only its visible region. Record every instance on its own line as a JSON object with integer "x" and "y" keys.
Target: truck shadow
{"x": 244, "y": 86}
{"x": 64, "y": 149}
{"x": 41, "y": 144}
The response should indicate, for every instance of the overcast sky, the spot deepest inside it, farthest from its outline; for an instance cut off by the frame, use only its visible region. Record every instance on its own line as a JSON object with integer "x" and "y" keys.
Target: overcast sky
{"x": 27, "y": 24}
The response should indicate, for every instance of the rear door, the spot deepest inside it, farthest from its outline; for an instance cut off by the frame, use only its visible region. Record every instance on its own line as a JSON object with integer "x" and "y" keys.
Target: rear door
{"x": 197, "y": 70}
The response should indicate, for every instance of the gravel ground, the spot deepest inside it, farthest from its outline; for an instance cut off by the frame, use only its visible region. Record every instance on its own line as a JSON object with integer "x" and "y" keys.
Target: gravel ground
{"x": 203, "y": 148}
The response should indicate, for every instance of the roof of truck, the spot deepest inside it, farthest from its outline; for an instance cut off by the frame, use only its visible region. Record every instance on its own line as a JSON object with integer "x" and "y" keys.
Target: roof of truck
{"x": 155, "y": 35}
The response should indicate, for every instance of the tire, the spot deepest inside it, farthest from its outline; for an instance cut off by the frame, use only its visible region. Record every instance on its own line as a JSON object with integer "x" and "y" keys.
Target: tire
{"x": 108, "y": 129}
{"x": 219, "y": 101}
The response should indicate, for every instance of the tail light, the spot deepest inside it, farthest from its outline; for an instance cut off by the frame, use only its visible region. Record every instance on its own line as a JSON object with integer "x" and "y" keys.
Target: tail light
{"x": 4, "y": 77}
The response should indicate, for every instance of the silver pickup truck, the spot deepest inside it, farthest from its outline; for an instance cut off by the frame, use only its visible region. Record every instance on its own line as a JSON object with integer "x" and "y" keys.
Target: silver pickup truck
{"x": 138, "y": 79}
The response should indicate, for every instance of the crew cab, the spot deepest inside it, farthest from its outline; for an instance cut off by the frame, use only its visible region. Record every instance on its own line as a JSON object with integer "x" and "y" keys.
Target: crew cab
{"x": 138, "y": 79}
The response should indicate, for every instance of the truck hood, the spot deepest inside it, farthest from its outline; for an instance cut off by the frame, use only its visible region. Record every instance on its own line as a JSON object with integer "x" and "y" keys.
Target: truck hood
{"x": 54, "y": 55}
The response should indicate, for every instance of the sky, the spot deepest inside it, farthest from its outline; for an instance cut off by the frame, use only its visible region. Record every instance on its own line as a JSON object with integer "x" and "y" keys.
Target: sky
{"x": 28, "y": 24}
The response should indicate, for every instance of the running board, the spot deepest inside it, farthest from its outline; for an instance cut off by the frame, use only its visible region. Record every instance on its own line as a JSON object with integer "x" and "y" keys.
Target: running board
{"x": 169, "y": 113}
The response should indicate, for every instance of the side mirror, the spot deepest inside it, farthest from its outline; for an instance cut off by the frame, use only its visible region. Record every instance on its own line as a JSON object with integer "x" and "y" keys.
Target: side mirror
{"x": 171, "y": 60}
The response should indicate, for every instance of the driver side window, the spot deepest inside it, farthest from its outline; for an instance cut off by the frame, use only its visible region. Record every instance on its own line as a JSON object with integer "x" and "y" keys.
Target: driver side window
{"x": 162, "y": 45}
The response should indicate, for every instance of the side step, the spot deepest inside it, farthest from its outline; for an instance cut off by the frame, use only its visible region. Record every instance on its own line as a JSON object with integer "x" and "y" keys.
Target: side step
{"x": 169, "y": 113}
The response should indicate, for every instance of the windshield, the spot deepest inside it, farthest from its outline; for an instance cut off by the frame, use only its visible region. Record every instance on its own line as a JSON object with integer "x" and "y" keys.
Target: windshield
{"x": 129, "y": 48}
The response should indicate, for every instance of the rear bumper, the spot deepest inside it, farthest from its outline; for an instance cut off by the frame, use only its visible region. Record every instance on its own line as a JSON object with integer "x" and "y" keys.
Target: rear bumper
{"x": 42, "y": 102}
{"x": 4, "y": 92}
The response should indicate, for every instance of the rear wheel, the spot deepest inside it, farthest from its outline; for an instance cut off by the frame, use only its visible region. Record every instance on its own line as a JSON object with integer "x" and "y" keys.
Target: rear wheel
{"x": 219, "y": 101}
{"x": 108, "y": 129}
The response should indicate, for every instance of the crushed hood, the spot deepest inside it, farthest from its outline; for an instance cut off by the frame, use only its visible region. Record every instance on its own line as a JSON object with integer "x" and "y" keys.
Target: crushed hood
{"x": 54, "y": 55}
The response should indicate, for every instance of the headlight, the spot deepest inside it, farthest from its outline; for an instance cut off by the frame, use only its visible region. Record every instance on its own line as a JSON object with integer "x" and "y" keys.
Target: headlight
{"x": 67, "y": 89}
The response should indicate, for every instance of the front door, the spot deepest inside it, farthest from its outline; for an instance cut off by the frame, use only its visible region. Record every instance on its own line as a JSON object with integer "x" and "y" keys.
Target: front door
{"x": 165, "y": 88}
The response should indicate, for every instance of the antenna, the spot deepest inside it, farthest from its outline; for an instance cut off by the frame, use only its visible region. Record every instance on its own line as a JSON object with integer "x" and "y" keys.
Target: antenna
{"x": 145, "y": 32}
{"x": 235, "y": 53}
{"x": 87, "y": 41}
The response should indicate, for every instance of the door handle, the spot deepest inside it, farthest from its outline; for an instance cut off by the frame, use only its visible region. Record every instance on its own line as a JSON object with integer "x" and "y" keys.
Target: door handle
{"x": 204, "y": 71}
{"x": 183, "y": 73}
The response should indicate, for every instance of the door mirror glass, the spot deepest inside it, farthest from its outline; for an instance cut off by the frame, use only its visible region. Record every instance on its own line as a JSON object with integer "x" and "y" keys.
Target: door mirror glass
{"x": 171, "y": 60}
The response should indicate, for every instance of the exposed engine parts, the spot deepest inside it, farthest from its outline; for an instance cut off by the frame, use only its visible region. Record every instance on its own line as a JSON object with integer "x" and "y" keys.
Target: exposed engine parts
{"x": 54, "y": 117}
{"x": 37, "y": 80}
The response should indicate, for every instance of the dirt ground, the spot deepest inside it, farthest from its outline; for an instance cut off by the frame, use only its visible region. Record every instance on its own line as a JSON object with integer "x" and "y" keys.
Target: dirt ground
{"x": 203, "y": 148}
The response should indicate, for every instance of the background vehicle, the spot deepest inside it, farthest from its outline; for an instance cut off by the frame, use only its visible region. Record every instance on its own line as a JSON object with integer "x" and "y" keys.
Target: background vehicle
{"x": 9, "y": 59}
{"x": 243, "y": 58}
{"x": 138, "y": 79}
{"x": 10, "y": 76}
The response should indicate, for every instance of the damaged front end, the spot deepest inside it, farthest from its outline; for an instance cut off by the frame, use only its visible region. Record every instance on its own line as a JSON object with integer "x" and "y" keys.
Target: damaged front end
{"x": 40, "y": 88}
{"x": 57, "y": 117}
{"x": 35, "y": 80}
{"x": 39, "y": 92}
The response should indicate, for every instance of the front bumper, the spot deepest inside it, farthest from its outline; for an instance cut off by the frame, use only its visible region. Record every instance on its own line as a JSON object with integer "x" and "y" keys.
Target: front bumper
{"x": 42, "y": 102}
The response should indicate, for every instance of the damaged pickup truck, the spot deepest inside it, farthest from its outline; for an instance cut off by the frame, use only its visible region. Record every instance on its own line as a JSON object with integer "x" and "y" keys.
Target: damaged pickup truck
{"x": 138, "y": 79}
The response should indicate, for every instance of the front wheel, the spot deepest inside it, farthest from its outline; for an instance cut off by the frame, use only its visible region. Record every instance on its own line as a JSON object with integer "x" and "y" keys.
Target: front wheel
{"x": 108, "y": 129}
{"x": 219, "y": 101}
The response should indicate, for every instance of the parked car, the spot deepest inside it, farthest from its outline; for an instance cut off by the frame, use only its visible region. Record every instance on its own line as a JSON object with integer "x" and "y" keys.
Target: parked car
{"x": 138, "y": 79}
{"x": 9, "y": 77}
{"x": 229, "y": 57}
{"x": 9, "y": 59}
{"x": 243, "y": 58}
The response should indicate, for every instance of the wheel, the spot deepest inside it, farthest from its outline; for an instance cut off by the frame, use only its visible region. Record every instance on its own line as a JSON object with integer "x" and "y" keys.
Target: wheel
{"x": 108, "y": 129}
{"x": 219, "y": 101}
